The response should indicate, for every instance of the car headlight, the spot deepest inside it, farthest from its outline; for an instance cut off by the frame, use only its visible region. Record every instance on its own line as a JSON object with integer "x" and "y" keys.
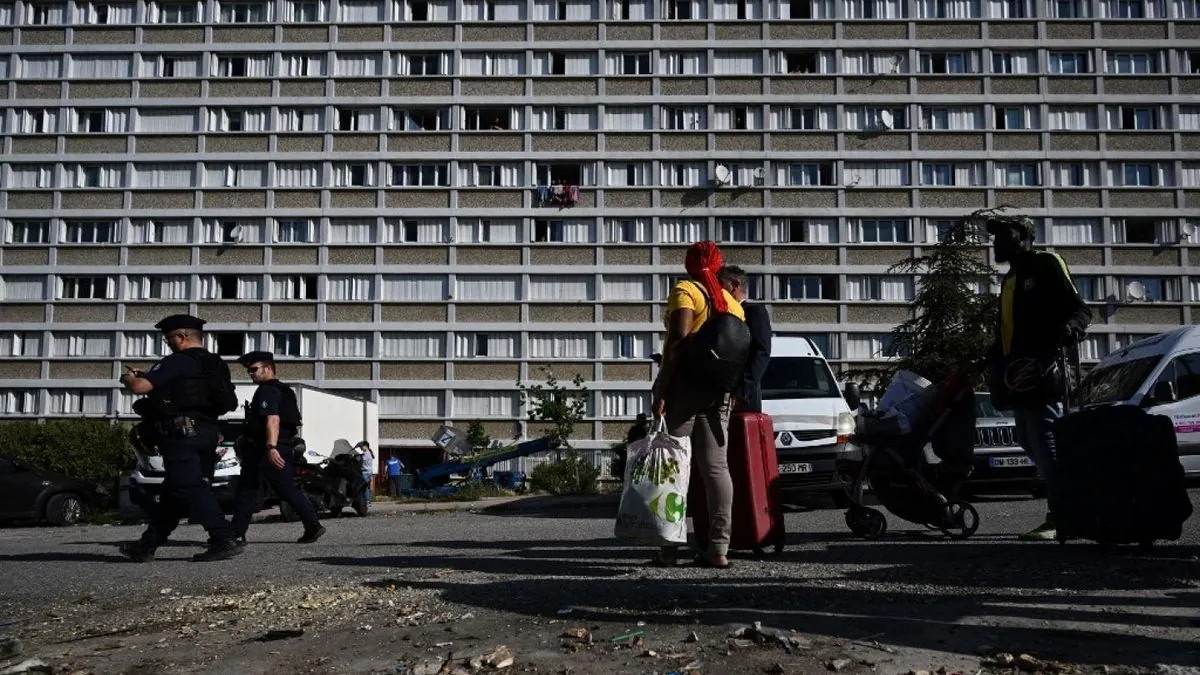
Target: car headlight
{"x": 845, "y": 426}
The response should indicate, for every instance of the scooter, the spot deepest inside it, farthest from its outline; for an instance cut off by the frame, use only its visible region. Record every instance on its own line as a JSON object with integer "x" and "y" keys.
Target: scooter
{"x": 331, "y": 485}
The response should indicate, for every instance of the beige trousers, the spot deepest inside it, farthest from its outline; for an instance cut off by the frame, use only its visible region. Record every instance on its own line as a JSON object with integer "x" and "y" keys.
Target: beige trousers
{"x": 704, "y": 417}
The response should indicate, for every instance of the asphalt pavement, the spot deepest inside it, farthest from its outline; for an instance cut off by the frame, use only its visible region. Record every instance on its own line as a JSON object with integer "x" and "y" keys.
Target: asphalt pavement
{"x": 913, "y": 598}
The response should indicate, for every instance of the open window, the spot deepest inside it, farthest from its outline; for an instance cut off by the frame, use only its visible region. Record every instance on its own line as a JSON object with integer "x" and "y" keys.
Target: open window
{"x": 494, "y": 119}
{"x": 1140, "y": 231}
{"x": 801, "y": 62}
{"x": 230, "y": 344}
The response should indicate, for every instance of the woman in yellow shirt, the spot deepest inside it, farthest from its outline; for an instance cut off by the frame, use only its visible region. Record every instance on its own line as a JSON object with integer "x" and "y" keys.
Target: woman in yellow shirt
{"x": 693, "y": 410}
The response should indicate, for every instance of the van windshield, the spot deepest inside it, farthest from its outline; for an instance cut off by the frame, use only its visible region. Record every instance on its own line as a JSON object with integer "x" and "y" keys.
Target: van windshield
{"x": 1116, "y": 383}
{"x": 798, "y": 377}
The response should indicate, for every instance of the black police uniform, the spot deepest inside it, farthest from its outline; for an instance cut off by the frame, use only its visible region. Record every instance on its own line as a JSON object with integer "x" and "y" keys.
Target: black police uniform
{"x": 179, "y": 413}
{"x": 271, "y": 398}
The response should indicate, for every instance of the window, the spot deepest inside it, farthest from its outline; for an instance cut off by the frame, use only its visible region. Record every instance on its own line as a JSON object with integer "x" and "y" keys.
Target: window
{"x": 808, "y": 118}
{"x": 101, "y": 121}
{"x": 238, "y": 119}
{"x": 737, "y": 118}
{"x": 1014, "y": 63}
{"x": 808, "y": 288}
{"x": 28, "y": 232}
{"x": 1076, "y": 231}
{"x": 680, "y": 119}
{"x": 417, "y": 230}
{"x": 86, "y": 288}
{"x": 102, "y": 14}
{"x": 231, "y": 287}
{"x": 166, "y": 120}
{"x": 875, "y": 9}
{"x": 294, "y": 231}
{"x": 871, "y": 118}
{"x": 22, "y": 287}
{"x": 498, "y": 64}
{"x": 954, "y": 118}
{"x": 1016, "y": 118}
{"x": 174, "y": 12}
{"x": 1070, "y": 63}
{"x": 18, "y": 402}
{"x": 1137, "y": 175}
{"x": 358, "y": 174}
{"x": 424, "y": 64}
{"x": 351, "y": 231}
{"x": 949, "y": 62}
{"x": 560, "y": 346}
{"x": 45, "y": 14}
{"x": 294, "y": 287}
{"x": 30, "y": 176}
{"x": 421, "y": 119}
{"x": 629, "y": 64}
{"x": 565, "y": 231}
{"x": 808, "y": 175}
{"x": 420, "y": 175}
{"x": 875, "y": 174}
{"x": 883, "y": 231}
{"x": 1133, "y": 117}
{"x": 1151, "y": 289}
{"x": 235, "y": 175}
{"x": 304, "y": 11}
{"x": 295, "y": 345}
{"x": 884, "y": 289}
{"x": 732, "y": 230}
{"x": 145, "y": 287}
{"x": 233, "y": 232}
{"x": 37, "y": 121}
{"x": 869, "y": 346}
{"x": 806, "y": 230}
{"x": 1127, "y": 63}
{"x": 1018, "y": 174}
{"x": 303, "y": 65}
{"x": 89, "y": 232}
{"x": 1184, "y": 373}
{"x": 255, "y": 65}
{"x": 1072, "y": 118}
{"x": 564, "y": 119}
{"x": 244, "y": 12}
{"x": 300, "y": 119}
{"x": 1069, "y": 9}
{"x": 161, "y": 232}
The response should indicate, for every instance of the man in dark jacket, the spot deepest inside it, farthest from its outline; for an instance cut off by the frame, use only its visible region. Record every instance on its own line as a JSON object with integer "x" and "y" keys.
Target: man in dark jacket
{"x": 748, "y": 395}
{"x": 1041, "y": 316}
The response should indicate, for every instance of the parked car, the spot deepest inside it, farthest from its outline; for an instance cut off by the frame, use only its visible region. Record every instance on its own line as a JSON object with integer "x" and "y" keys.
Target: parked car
{"x": 1000, "y": 463}
{"x": 31, "y": 494}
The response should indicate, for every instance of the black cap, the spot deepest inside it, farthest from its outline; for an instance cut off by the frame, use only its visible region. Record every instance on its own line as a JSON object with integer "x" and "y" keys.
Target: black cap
{"x": 1022, "y": 226}
{"x": 180, "y": 322}
{"x": 256, "y": 357}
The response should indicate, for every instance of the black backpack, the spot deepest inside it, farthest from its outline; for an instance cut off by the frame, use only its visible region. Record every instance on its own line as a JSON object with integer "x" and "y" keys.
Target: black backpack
{"x": 221, "y": 394}
{"x": 715, "y": 356}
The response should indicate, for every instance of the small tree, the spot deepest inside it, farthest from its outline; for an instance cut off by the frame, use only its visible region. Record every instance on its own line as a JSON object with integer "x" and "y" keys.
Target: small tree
{"x": 953, "y": 323}
{"x": 555, "y": 404}
{"x": 477, "y": 436}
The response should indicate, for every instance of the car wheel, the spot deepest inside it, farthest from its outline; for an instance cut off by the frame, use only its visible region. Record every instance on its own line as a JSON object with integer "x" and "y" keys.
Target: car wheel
{"x": 64, "y": 509}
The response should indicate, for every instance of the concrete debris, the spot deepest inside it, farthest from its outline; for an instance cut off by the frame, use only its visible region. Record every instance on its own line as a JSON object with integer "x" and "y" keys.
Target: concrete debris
{"x": 838, "y": 665}
{"x": 692, "y": 637}
{"x": 650, "y": 654}
{"x": 1029, "y": 664}
{"x": 759, "y": 634}
{"x": 429, "y": 667}
{"x": 576, "y": 633}
{"x": 501, "y": 657}
{"x": 741, "y": 643}
{"x": 28, "y": 666}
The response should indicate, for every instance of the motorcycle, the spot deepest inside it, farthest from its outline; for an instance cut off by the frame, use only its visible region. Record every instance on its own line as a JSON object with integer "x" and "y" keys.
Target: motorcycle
{"x": 331, "y": 485}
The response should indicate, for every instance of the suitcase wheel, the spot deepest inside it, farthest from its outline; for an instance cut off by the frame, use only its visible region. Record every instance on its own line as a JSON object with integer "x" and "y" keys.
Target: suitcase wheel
{"x": 961, "y": 520}
{"x": 866, "y": 522}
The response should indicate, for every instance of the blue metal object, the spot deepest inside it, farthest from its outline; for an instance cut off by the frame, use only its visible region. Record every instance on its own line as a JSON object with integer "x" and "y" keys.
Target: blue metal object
{"x": 475, "y": 466}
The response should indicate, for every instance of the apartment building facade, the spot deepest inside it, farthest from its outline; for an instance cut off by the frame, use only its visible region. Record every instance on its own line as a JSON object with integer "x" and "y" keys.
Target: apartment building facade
{"x": 425, "y": 201}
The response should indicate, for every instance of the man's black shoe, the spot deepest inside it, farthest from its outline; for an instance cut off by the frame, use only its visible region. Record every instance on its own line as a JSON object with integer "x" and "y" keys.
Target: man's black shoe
{"x": 311, "y": 536}
{"x": 136, "y": 551}
{"x": 240, "y": 541}
{"x": 219, "y": 550}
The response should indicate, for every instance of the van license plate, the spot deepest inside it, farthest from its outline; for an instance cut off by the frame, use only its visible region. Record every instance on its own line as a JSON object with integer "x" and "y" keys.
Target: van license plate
{"x": 1007, "y": 462}
{"x": 795, "y": 467}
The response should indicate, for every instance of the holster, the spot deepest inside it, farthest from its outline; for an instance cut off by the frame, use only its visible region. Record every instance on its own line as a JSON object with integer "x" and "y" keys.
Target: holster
{"x": 181, "y": 426}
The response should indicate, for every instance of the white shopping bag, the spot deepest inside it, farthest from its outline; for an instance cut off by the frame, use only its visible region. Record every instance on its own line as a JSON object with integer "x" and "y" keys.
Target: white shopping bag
{"x": 654, "y": 502}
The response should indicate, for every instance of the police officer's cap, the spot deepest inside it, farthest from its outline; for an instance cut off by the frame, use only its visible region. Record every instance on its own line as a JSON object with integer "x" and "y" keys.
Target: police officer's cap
{"x": 256, "y": 357}
{"x": 1021, "y": 226}
{"x": 180, "y": 322}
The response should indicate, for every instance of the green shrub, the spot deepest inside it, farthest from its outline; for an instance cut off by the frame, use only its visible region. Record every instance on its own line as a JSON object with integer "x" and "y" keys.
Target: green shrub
{"x": 92, "y": 450}
{"x": 568, "y": 476}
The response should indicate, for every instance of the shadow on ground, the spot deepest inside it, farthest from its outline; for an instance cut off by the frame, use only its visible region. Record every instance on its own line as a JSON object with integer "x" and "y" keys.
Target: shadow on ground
{"x": 921, "y": 594}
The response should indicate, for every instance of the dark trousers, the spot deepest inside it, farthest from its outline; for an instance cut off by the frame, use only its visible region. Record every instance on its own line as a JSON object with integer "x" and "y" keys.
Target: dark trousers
{"x": 394, "y": 485}
{"x": 256, "y": 469}
{"x": 185, "y": 492}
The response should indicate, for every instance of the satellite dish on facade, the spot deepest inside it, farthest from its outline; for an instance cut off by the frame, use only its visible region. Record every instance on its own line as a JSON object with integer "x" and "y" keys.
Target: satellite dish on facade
{"x": 1136, "y": 290}
{"x": 235, "y": 234}
{"x": 722, "y": 174}
{"x": 886, "y": 121}
{"x": 760, "y": 175}
{"x": 1187, "y": 229}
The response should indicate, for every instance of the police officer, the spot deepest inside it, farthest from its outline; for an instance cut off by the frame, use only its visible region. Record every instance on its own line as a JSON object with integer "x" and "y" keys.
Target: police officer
{"x": 184, "y": 395}
{"x": 266, "y": 448}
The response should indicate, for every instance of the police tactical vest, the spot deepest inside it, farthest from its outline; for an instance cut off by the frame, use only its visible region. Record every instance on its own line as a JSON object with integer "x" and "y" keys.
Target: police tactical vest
{"x": 207, "y": 394}
{"x": 289, "y": 415}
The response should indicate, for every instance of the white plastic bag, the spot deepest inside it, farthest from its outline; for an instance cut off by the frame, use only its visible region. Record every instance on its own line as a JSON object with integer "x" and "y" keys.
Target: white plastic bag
{"x": 654, "y": 502}
{"x": 908, "y": 399}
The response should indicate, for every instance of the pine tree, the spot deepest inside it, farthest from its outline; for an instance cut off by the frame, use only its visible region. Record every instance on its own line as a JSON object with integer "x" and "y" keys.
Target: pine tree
{"x": 954, "y": 313}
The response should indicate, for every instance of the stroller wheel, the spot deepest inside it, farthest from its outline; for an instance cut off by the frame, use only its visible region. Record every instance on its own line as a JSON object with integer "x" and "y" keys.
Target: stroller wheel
{"x": 961, "y": 520}
{"x": 866, "y": 522}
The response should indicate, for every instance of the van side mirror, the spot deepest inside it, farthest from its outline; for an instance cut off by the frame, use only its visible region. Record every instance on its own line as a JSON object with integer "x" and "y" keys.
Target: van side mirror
{"x": 1163, "y": 392}
{"x": 852, "y": 395}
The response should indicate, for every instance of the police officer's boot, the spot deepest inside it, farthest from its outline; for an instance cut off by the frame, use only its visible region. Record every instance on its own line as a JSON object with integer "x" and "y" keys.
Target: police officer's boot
{"x": 219, "y": 550}
{"x": 136, "y": 551}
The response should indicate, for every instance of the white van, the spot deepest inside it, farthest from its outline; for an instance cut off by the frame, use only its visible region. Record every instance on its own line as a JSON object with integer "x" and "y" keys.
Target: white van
{"x": 811, "y": 417}
{"x": 1162, "y": 375}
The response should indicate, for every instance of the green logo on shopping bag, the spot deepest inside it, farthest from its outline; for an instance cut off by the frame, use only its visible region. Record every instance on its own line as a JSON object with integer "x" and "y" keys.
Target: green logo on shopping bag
{"x": 671, "y": 507}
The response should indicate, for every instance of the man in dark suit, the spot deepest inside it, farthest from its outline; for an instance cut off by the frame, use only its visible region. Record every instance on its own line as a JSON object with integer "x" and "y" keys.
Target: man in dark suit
{"x": 748, "y": 395}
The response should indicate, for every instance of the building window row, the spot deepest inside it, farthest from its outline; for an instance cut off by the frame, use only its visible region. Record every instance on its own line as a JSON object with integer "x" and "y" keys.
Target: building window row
{"x": 614, "y": 63}
{"x": 1128, "y": 116}
{"x": 797, "y": 230}
{"x": 50, "y": 13}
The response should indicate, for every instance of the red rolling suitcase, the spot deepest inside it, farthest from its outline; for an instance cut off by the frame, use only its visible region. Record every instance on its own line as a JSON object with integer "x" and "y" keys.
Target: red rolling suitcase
{"x": 757, "y": 522}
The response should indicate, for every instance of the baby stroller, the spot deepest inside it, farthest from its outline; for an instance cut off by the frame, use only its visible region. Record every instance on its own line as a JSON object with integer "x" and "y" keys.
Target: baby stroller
{"x": 906, "y": 480}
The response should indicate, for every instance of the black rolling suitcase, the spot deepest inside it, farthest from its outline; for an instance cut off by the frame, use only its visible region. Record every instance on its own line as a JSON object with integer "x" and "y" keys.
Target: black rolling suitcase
{"x": 1120, "y": 480}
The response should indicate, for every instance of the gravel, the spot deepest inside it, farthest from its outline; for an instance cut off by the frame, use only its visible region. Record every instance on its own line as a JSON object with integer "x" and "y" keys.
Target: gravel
{"x": 459, "y": 586}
